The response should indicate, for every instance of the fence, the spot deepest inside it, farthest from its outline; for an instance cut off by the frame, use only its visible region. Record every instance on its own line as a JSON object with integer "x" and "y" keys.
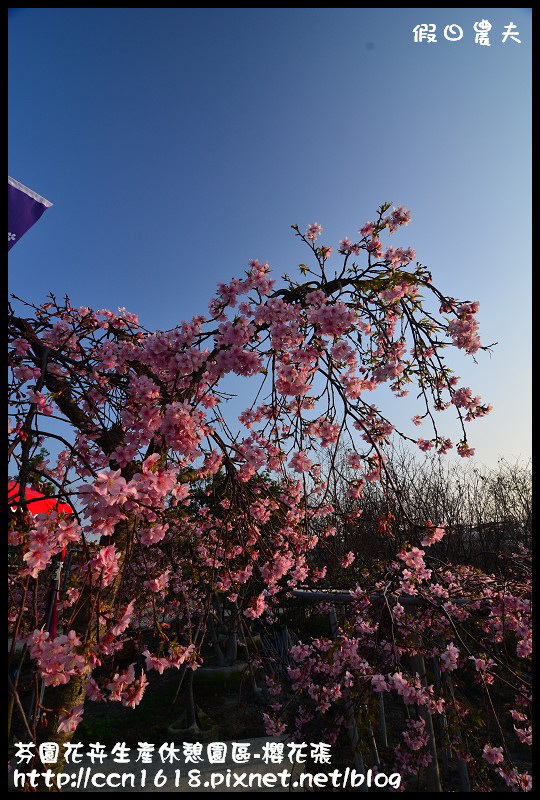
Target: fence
{"x": 417, "y": 664}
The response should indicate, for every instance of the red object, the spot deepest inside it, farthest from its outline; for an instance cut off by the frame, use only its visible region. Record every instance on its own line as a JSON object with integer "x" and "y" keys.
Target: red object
{"x": 37, "y": 502}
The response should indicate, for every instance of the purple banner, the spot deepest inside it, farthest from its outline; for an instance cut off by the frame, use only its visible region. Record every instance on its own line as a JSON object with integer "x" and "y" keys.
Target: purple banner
{"x": 24, "y": 208}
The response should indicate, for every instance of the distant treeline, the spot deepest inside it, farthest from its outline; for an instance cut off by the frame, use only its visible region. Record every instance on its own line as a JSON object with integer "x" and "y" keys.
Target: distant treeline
{"x": 487, "y": 511}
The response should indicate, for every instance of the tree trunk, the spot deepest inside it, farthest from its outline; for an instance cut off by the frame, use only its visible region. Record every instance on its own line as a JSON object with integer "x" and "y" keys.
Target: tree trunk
{"x": 58, "y": 699}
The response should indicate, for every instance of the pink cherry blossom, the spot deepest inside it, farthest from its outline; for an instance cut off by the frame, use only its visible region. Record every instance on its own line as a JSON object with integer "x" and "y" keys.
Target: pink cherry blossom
{"x": 313, "y": 230}
{"x": 493, "y": 755}
{"x": 300, "y": 462}
{"x": 69, "y": 720}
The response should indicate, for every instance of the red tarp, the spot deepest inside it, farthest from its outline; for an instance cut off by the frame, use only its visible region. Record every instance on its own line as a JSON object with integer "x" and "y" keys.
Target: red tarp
{"x": 37, "y": 502}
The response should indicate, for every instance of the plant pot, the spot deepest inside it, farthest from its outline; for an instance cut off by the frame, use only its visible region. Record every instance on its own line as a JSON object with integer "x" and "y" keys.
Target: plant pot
{"x": 206, "y": 731}
{"x": 218, "y": 678}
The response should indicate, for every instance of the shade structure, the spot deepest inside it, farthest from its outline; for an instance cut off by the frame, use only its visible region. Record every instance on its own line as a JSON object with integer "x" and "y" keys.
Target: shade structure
{"x": 37, "y": 502}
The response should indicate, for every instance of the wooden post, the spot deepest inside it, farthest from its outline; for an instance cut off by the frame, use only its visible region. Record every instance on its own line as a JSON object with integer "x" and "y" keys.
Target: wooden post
{"x": 432, "y": 770}
{"x": 442, "y": 725}
{"x": 463, "y": 770}
{"x": 349, "y": 710}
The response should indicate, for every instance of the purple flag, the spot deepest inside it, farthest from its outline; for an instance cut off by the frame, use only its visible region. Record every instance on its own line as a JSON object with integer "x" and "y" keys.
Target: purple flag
{"x": 24, "y": 208}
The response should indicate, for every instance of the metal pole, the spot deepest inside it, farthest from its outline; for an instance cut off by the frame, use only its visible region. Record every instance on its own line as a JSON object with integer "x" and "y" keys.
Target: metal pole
{"x": 382, "y": 722}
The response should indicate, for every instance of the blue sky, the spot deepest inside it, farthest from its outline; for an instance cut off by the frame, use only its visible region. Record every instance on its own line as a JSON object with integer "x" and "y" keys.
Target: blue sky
{"x": 176, "y": 144}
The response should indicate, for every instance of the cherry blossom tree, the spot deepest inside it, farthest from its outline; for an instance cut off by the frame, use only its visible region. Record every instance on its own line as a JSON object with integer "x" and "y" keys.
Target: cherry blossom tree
{"x": 139, "y": 421}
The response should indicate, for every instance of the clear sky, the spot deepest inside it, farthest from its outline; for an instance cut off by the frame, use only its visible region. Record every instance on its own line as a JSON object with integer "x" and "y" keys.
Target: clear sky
{"x": 176, "y": 144}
